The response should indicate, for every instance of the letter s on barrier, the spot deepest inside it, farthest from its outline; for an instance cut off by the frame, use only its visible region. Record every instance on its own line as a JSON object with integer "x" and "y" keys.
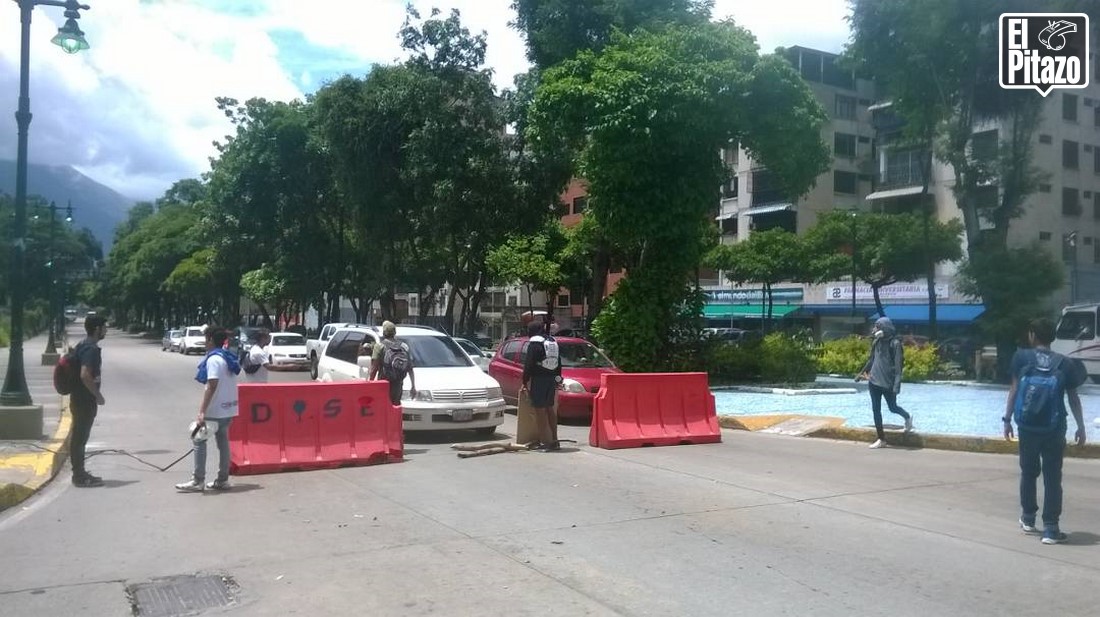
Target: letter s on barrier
{"x": 333, "y": 408}
{"x": 256, "y": 408}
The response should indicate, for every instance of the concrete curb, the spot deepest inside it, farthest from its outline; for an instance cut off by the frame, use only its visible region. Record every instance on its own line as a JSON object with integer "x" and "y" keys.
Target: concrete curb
{"x": 44, "y": 465}
{"x": 958, "y": 443}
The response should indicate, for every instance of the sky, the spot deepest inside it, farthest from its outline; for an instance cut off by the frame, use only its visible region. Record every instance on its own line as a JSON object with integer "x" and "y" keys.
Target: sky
{"x": 136, "y": 112}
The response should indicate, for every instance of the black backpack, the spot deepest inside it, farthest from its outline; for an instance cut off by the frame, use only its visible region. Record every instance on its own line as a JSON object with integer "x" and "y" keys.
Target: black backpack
{"x": 395, "y": 360}
{"x": 66, "y": 373}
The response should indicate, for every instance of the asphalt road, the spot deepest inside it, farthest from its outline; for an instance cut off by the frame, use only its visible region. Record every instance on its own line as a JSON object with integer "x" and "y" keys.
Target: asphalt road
{"x": 757, "y": 525}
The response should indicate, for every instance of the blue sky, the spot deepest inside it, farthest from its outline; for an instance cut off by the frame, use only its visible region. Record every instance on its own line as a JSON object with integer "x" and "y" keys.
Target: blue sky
{"x": 136, "y": 111}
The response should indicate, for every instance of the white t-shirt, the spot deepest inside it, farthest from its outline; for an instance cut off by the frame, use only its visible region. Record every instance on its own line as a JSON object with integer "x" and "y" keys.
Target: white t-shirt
{"x": 257, "y": 356}
{"x": 224, "y": 402}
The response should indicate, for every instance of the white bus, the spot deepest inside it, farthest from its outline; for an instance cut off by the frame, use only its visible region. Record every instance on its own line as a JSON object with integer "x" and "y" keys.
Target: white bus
{"x": 1076, "y": 337}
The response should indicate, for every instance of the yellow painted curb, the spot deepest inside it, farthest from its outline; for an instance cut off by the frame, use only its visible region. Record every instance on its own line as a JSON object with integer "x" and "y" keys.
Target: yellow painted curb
{"x": 989, "y": 445}
{"x": 45, "y": 464}
{"x": 753, "y": 423}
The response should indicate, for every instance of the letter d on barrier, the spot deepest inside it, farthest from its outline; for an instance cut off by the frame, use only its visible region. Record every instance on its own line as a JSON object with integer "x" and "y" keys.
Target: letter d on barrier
{"x": 260, "y": 407}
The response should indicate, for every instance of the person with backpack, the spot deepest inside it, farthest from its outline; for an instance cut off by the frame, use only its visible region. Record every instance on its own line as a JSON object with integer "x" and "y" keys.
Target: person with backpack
{"x": 541, "y": 376}
{"x": 883, "y": 375}
{"x": 256, "y": 362}
{"x": 218, "y": 373}
{"x": 1041, "y": 382}
{"x": 86, "y": 360}
{"x": 390, "y": 358}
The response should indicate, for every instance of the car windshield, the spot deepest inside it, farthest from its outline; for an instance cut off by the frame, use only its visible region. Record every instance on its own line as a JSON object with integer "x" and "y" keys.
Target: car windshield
{"x": 469, "y": 347}
{"x": 194, "y": 332}
{"x": 173, "y": 333}
{"x": 582, "y": 355}
{"x": 435, "y": 352}
{"x": 1077, "y": 325}
{"x": 287, "y": 340}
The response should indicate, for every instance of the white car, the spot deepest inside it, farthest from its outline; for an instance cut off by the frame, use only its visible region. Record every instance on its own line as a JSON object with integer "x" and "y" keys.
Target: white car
{"x": 480, "y": 357}
{"x": 288, "y": 349}
{"x": 194, "y": 339}
{"x": 451, "y": 391}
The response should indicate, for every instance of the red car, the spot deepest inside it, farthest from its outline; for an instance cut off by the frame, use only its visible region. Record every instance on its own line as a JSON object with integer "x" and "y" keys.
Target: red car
{"x": 581, "y": 367}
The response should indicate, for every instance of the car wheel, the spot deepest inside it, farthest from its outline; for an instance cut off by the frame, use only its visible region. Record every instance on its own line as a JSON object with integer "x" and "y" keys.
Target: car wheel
{"x": 487, "y": 431}
{"x": 313, "y": 367}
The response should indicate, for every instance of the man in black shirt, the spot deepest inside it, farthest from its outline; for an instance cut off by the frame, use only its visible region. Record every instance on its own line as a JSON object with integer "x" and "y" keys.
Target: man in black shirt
{"x": 541, "y": 376}
{"x": 86, "y": 398}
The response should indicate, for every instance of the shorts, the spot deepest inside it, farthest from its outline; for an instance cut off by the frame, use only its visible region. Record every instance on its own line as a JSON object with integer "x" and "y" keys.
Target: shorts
{"x": 542, "y": 391}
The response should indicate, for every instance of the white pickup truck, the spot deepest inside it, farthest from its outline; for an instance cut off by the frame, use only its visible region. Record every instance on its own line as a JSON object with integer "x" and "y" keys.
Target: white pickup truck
{"x": 316, "y": 347}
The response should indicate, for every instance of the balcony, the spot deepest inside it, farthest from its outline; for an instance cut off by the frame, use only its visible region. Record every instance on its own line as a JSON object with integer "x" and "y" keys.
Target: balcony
{"x": 902, "y": 169}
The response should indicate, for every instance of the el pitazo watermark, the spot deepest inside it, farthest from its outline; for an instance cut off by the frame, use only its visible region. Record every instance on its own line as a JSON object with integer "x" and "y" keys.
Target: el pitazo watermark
{"x": 1044, "y": 51}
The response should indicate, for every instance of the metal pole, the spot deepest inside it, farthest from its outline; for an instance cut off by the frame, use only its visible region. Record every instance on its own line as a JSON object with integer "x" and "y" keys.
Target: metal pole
{"x": 15, "y": 392}
{"x": 854, "y": 242}
{"x": 51, "y": 343}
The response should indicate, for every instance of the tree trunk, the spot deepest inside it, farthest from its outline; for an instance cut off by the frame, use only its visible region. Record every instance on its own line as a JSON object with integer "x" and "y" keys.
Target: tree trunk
{"x": 878, "y": 300}
{"x": 764, "y": 308}
{"x": 449, "y": 315}
{"x": 928, "y": 209}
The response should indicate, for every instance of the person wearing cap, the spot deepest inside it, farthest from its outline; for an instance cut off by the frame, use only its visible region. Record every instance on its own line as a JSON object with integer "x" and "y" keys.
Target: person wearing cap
{"x": 541, "y": 376}
{"x": 378, "y": 354}
{"x": 883, "y": 375}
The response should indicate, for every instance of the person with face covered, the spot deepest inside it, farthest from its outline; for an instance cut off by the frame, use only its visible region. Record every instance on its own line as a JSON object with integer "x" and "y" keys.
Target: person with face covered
{"x": 541, "y": 376}
{"x": 883, "y": 375}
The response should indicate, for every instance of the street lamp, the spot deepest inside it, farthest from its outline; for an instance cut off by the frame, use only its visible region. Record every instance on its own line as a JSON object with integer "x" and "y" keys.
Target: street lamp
{"x": 853, "y": 214}
{"x": 1071, "y": 239}
{"x": 49, "y": 357}
{"x": 15, "y": 393}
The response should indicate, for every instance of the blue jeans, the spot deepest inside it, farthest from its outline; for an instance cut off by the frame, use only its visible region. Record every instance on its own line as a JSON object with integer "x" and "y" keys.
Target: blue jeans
{"x": 877, "y": 394}
{"x": 222, "y": 437}
{"x": 1042, "y": 453}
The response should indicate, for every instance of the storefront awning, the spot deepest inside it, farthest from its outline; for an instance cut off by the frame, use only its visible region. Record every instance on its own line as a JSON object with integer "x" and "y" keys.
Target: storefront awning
{"x": 842, "y": 310}
{"x": 768, "y": 209}
{"x": 746, "y": 311}
{"x": 725, "y": 215}
{"x": 902, "y": 192}
{"x": 945, "y": 313}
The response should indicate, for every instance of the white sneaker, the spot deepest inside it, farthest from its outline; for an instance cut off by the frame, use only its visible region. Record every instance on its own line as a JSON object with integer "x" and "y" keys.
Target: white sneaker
{"x": 879, "y": 443}
{"x": 190, "y": 487}
{"x": 909, "y": 424}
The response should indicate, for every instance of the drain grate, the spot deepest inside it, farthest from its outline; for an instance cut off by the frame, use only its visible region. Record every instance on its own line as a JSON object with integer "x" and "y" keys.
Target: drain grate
{"x": 178, "y": 596}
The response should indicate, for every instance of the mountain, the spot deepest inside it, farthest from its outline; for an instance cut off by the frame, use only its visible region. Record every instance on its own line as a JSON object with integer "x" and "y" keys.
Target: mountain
{"x": 95, "y": 206}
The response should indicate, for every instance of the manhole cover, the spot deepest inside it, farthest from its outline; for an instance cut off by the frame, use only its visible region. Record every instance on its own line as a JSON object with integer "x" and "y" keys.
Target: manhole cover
{"x": 178, "y": 596}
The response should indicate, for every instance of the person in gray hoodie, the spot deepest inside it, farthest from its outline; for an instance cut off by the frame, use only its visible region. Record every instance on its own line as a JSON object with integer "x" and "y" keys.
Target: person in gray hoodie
{"x": 883, "y": 375}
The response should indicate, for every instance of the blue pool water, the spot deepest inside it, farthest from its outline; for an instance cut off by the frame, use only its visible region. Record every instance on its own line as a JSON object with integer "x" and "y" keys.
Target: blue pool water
{"x": 940, "y": 409}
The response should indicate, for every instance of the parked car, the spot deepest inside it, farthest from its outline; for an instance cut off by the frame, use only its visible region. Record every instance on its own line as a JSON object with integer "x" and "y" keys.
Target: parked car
{"x": 171, "y": 340}
{"x": 316, "y": 347}
{"x": 452, "y": 393}
{"x": 193, "y": 340}
{"x": 582, "y": 364}
{"x": 288, "y": 349}
{"x": 480, "y": 357}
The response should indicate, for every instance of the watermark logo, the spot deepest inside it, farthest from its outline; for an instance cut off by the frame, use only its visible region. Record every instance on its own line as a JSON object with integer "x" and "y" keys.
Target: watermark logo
{"x": 1044, "y": 51}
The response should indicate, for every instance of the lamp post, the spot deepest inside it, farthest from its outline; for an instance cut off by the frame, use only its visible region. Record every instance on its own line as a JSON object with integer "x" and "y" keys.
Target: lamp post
{"x": 49, "y": 357}
{"x": 1071, "y": 239}
{"x": 70, "y": 38}
{"x": 853, "y": 214}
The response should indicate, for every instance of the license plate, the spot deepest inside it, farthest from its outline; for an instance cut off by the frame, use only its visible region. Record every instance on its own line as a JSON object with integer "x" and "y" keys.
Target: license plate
{"x": 462, "y": 415}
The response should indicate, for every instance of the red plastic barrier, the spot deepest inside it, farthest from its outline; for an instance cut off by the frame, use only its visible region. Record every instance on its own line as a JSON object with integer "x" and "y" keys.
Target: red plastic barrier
{"x": 314, "y": 426}
{"x": 653, "y": 409}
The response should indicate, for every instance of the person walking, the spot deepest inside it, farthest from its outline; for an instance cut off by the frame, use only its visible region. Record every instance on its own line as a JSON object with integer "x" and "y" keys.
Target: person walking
{"x": 541, "y": 376}
{"x": 256, "y": 363}
{"x": 391, "y": 360}
{"x": 883, "y": 375}
{"x": 1042, "y": 380}
{"x": 86, "y": 398}
{"x": 218, "y": 373}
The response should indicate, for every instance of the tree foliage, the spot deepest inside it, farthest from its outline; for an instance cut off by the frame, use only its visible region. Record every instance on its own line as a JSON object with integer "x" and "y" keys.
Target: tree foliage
{"x": 647, "y": 116}
{"x": 765, "y": 258}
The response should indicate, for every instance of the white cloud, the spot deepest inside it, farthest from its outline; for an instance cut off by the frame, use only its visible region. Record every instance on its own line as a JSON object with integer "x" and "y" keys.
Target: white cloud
{"x": 137, "y": 110}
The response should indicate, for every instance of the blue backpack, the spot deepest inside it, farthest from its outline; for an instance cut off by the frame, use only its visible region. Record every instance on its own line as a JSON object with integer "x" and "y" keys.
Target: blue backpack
{"x": 1039, "y": 394}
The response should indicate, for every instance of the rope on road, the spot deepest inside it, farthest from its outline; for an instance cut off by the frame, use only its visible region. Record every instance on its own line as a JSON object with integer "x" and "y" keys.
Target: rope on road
{"x": 92, "y": 453}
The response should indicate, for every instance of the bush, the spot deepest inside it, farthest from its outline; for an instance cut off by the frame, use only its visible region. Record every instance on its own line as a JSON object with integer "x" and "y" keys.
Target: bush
{"x": 5, "y": 334}
{"x": 727, "y": 363}
{"x": 844, "y": 356}
{"x": 848, "y": 355}
{"x": 786, "y": 359}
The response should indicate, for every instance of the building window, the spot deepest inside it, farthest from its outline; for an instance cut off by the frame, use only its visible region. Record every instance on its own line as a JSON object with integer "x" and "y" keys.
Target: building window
{"x": 1096, "y": 116}
{"x": 729, "y": 228}
{"x": 563, "y": 300}
{"x": 845, "y": 182}
{"x": 983, "y": 146}
{"x": 1096, "y": 160}
{"x": 1044, "y": 235}
{"x": 1069, "y": 107}
{"x": 1096, "y": 206}
{"x": 1088, "y": 240}
{"x": 1096, "y": 253}
{"x": 844, "y": 145}
{"x": 1070, "y": 151}
{"x": 1069, "y": 248}
{"x": 903, "y": 168}
{"x": 1044, "y": 188}
{"x": 729, "y": 189}
{"x": 1071, "y": 206}
{"x": 845, "y": 107}
{"x": 1046, "y": 139}
{"x": 580, "y": 204}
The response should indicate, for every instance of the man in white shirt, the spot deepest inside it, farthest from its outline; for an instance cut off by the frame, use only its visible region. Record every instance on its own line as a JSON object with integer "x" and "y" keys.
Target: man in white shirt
{"x": 255, "y": 368}
{"x": 218, "y": 372}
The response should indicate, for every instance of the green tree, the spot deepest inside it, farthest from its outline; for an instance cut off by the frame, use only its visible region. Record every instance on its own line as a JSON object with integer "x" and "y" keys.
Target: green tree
{"x": 534, "y": 261}
{"x": 884, "y": 248}
{"x": 764, "y": 258}
{"x": 647, "y": 116}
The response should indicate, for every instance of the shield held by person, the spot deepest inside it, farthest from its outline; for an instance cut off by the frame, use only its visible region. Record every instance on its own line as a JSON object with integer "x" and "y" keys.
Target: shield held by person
{"x": 527, "y": 430}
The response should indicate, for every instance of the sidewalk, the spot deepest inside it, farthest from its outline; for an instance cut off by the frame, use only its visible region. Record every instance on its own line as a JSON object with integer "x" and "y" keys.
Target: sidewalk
{"x": 27, "y": 465}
